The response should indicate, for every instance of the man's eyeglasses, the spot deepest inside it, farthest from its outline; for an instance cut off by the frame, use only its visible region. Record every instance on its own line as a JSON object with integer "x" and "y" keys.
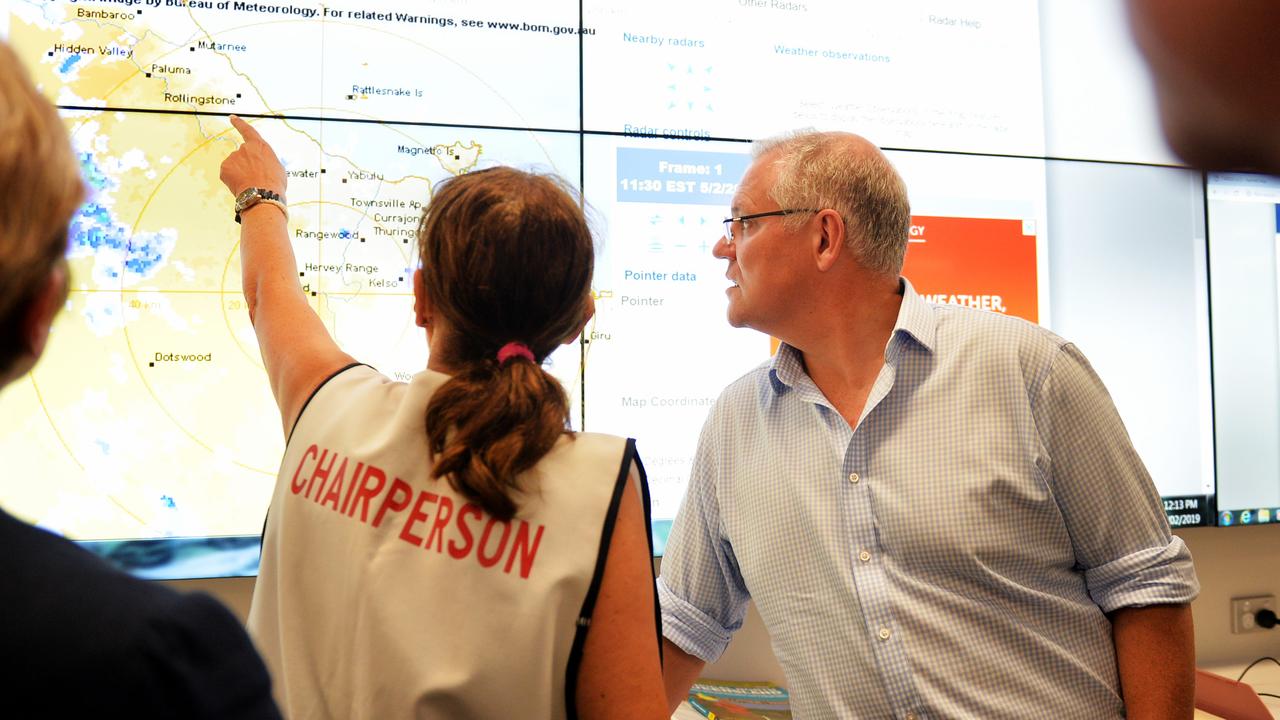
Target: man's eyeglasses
{"x": 735, "y": 227}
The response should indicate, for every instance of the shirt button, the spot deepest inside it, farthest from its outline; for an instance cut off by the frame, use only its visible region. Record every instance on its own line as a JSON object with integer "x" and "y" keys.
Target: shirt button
{"x": 853, "y": 478}
{"x": 884, "y": 633}
{"x": 864, "y": 556}
{"x": 911, "y": 716}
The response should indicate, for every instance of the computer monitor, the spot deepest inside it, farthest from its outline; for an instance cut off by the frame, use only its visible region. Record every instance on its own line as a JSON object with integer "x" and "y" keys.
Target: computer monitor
{"x": 1244, "y": 230}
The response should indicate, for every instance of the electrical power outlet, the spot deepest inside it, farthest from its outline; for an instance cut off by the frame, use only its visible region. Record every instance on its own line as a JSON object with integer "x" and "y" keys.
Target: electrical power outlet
{"x": 1242, "y": 610}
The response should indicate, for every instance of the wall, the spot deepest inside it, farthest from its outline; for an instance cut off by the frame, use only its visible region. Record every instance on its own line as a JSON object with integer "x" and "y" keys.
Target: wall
{"x": 1231, "y": 562}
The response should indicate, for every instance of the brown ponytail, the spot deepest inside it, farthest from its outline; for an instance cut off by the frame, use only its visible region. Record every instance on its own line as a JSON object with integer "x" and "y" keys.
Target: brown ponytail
{"x": 507, "y": 256}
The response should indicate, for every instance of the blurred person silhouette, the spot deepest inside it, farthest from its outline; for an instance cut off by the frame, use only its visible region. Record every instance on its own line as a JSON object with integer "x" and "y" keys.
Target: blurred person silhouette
{"x": 1216, "y": 67}
{"x": 82, "y": 638}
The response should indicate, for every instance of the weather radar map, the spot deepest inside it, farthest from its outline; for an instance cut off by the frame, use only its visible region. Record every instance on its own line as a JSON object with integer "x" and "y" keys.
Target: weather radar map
{"x": 148, "y": 432}
{"x": 148, "y": 429}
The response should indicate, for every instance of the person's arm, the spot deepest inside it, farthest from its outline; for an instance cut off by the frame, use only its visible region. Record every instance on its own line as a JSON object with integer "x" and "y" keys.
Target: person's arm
{"x": 620, "y": 675}
{"x": 297, "y": 350}
{"x": 1155, "y": 655}
{"x": 680, "y": 671}
{"x": 703, "y": 595}
{"x": 201, "y": 663}
{"x": 1135, "y": 569}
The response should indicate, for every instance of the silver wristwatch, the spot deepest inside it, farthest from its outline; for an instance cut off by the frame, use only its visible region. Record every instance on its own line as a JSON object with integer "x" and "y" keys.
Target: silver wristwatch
{"x": 254, "y": 195}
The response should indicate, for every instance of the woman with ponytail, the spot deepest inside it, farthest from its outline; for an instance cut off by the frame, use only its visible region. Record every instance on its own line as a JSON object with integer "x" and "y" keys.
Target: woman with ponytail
{"x": 446, "y": 547}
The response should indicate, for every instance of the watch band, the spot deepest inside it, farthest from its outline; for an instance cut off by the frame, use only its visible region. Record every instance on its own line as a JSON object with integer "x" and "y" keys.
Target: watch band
{"x": 266, "y": 201}
{"x": 254, "y": 195}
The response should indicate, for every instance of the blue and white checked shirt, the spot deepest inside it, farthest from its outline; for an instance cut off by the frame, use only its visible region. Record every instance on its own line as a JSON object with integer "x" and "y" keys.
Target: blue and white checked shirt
{"x": 950, "y": 557}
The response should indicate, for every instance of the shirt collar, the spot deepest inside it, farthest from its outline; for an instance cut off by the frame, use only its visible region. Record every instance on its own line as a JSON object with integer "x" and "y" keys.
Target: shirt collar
{"x": 787, "y": 368}
{"x": 915, "y": 320}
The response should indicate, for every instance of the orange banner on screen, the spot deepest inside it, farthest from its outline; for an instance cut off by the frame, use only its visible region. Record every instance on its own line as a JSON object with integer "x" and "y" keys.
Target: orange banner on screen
{"x": 976, "y": 262}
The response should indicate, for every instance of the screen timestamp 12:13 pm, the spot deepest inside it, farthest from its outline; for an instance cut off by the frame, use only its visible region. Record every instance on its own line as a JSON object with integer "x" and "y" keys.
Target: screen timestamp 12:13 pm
{"x": 1187, "y": 511}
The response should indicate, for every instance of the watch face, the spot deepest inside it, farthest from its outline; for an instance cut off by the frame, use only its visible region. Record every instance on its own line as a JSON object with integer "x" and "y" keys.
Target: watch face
{"x": 246, "y": 198}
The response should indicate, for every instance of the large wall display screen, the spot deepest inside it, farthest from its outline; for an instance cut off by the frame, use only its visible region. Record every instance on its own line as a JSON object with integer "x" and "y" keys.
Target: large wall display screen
{"x": 148, "y": 431}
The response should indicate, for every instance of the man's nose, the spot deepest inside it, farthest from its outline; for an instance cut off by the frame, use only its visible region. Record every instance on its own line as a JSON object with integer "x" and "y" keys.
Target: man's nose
{"x": 723, "y": 249}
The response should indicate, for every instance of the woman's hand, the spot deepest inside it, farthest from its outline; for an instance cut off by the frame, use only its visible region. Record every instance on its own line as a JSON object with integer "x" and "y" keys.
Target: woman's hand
{"x": 253, "y": 164}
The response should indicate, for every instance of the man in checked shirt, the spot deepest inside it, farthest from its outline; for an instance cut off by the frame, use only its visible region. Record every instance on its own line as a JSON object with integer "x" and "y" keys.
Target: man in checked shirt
{"x": 936, "y": 509}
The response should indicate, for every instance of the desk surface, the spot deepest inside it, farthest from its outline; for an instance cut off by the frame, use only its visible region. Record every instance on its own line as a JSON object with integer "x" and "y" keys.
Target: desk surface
{"x": 1267, "y": 684}
{"x": 684, "y": 712}
{"x": 1264, "y": 677}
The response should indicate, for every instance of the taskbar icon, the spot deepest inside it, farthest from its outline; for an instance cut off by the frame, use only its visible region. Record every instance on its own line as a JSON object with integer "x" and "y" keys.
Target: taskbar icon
{"x": 1249, "y": 516}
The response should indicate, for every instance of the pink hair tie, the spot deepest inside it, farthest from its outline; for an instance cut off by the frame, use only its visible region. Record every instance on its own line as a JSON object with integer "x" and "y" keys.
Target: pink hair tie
{"x": 514, "y": 349}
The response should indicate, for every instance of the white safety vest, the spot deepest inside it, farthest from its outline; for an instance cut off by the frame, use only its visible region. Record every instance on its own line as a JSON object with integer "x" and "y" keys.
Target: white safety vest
{"x": 384, "y": 593}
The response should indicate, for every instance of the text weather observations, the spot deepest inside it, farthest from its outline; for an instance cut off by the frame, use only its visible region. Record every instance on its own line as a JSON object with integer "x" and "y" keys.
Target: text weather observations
{"x": 681, "y": 177}
{"x": 955, "y": 77}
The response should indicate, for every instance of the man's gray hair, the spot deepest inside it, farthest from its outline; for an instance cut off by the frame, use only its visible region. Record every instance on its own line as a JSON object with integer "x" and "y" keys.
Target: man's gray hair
{"x": 830, "y": 170}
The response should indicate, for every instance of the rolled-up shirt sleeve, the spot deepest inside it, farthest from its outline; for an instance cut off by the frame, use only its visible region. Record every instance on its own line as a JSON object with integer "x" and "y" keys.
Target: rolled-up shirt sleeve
{"x": 703, "y": 597}
{"x": 1115, "y": 517}
{"x": 1153, "y": 576}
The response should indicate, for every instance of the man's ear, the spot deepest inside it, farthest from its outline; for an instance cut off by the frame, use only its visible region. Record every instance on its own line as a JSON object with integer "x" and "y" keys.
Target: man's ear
{"x": 43, "y": 308}
{"x": 422, "y": 307}
{"x": 831, "y": 239}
